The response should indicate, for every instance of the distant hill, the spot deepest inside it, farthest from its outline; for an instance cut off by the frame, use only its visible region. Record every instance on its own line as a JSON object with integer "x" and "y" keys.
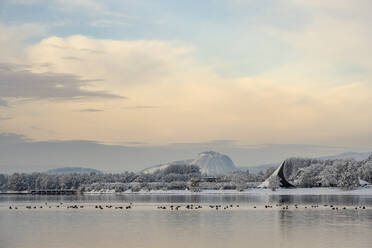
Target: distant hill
{"x": 210, "y": 163}
{"x": 258, "y": 168}
{"x": 71, "y": 170}
{"x": 358, "y": 156}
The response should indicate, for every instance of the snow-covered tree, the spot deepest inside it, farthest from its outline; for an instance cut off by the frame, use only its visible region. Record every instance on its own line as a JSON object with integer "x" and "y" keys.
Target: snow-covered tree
{"x": 328, "y": 176}
{"x": 274, "y": 183}
{"x": 309, "y": 176}
{"x": 348, "y": 176}
{"x": 365, "y": 171}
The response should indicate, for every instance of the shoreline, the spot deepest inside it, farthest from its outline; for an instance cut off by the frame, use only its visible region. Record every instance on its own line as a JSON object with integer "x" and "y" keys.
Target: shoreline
{"x": 253, "y": 191}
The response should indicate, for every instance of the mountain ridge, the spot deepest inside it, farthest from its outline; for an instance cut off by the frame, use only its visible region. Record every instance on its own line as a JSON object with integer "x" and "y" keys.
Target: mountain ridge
{"x": 210, "y": 163}
{"x": 72, "y": 170}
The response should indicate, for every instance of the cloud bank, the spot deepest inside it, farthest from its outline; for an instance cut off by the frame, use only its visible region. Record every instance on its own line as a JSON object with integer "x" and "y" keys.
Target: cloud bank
{"x": 18, "y": 154}
{"x": 16, "y": 83}
{"x": 289, "y": 72}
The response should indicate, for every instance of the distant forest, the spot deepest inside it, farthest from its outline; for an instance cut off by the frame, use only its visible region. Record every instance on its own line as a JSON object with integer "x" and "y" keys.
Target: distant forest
{"x": 301, "y": 172}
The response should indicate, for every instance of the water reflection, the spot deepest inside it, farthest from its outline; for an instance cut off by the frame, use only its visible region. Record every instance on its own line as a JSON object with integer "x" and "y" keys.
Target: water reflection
{"x": 186, "y": 228}
{"x": 349, "y": 200}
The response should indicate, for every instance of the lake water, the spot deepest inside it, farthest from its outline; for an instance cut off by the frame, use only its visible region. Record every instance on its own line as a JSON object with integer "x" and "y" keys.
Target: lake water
{"x": 144, "y": 225}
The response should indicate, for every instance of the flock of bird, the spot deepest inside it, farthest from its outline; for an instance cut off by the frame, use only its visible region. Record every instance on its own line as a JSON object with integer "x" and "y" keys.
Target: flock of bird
{"x": 114, "y": 207}
{"x": 192, "y": 206}
{"x": 188, "y": 207}
{"x": 74, "y": 206}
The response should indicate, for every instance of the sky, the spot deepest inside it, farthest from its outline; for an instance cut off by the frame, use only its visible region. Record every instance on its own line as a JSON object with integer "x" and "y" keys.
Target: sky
{"x": 256, "y": 80}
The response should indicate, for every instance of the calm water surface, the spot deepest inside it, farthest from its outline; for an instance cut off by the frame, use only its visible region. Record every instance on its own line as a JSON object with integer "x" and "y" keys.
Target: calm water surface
{"x": 146, "y": 226}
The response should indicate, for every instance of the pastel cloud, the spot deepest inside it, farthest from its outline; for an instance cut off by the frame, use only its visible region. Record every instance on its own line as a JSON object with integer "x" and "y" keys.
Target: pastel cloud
{"x": 122, "y": 62}
{"x": 197, "y": 103}
{"x": 332, "y": 47}
{"x": 91, "y": 110}
{"x": 319, "y": 93}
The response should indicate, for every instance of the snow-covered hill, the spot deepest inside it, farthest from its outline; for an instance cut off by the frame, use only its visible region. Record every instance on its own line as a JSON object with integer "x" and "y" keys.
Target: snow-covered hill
{"x": 210, "y": 163}
{"x": 154, "y": 168}
{"x": 214, "y": 163}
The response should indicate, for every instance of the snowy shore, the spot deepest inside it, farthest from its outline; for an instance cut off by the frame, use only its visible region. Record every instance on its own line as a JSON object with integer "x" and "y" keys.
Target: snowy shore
{"x": 282, "y": 191}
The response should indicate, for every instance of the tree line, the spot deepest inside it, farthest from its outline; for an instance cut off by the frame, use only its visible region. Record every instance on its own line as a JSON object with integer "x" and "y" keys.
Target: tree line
{"x": 300, "y": 171}
{"x": 173, "y": 177}
{"x": 342, "y": 173}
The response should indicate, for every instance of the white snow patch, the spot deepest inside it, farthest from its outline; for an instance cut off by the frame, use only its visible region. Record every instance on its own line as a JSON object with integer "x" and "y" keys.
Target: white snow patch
{"x": 255, "y": 191}
{"x": 210, "y": 163}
